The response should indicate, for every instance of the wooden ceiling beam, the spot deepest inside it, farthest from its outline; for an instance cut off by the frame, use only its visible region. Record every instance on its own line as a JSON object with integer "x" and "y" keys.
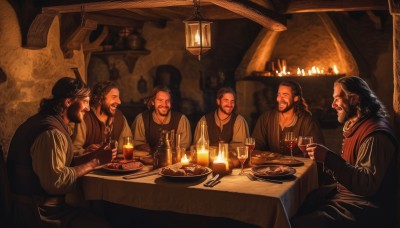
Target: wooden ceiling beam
{"x": 91, "y": 6}
{"x": 267, "y": 18}
{"x": 113, "y": 20}
{"x": 308, "y": 6}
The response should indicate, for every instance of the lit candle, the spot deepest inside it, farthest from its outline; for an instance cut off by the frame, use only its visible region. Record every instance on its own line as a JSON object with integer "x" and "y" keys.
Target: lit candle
{"x": 128, "y": 151}
{"x": 184, "y": 161}
{"x": 220, "y": 164}
{"x": 203, "y": 157}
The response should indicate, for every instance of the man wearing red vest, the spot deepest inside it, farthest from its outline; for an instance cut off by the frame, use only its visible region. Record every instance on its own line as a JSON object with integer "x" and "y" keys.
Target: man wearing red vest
{"x": 366, "y": 172}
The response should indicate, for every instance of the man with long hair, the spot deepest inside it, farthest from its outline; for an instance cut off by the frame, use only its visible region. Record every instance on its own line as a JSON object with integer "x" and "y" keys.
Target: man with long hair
{"x": 103, "y": 123}
{"x": 40, "y": 159}
{"x": 366, "y": 175}
{"x": 224, "y": 124}
{"x": 147, "y": 126}
{"x": 291, "y": 115}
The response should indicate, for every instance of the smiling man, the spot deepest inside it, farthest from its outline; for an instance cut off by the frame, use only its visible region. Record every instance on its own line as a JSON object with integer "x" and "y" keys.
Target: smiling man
{"x": 40, "y": 161}
{"x": 292, "y": 114}
{"x": 224, "y": 124}
{"x": 367, "y": 170}
{"x": 148, "y": 125}
{"x": 104, "y": 122}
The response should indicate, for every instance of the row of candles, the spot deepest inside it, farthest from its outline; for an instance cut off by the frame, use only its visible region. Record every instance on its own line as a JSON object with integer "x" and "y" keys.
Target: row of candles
{"x": 314, "y": 71}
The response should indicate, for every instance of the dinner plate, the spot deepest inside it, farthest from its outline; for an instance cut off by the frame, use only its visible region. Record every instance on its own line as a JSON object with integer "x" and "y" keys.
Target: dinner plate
{"x": 138, "y": 166}
{"x": 260, "y": 171}
{"x": 186, "y": 178}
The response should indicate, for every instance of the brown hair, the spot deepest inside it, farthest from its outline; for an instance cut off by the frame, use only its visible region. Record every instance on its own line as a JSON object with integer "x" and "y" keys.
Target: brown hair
{"x": 99, "y": 92}
{"x": 64, "y": 88}
{"x": 369, "y": 102}
{"x": 221, "y": 92}
{"x": 301, "y": 104}
{"x": 161, "y": 88}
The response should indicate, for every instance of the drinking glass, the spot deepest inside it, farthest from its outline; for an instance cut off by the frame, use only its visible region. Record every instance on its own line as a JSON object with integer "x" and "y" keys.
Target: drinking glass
{"x": 127, "y": 148}
{"x": 290, "y": 141}
{"x": 303, "y": 142}
{"x": 250, "y": 143}
{"x": 242, "y": 154}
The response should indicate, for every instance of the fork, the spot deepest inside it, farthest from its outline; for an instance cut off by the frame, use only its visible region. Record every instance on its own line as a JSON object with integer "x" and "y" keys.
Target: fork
{"x": 254, "y": 178}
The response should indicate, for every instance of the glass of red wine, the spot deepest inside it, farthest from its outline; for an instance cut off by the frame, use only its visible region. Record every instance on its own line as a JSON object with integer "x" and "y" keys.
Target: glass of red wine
{"x": 290, "y": 142}
{"x": 250, "y": 143}
{"x": 303, "y": 142}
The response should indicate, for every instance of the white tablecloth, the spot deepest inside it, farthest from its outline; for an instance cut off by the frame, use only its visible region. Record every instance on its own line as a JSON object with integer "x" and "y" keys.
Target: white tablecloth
{"x": 236, "y": 197}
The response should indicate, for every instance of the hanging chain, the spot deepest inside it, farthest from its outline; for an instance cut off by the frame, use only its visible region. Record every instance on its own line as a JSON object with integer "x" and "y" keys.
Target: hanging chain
{"x": 82, "y": 15}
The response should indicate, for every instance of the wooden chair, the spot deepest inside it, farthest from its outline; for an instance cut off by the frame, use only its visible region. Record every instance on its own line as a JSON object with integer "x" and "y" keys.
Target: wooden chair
{"x": 5, "y": 194}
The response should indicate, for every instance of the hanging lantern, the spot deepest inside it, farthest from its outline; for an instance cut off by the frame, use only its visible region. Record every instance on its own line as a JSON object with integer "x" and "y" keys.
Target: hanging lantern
{"x": 198, "y": 32}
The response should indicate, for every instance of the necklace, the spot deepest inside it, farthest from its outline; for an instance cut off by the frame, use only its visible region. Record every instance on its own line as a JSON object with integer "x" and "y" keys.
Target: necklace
{"x": 291, "y": 123}
{"x": 160, "y": 121}
{"x": 221, "y": 121}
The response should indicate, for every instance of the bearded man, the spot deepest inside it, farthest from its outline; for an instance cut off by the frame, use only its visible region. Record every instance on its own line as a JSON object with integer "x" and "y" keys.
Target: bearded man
{"x": 366, "y": 172}
{"x": 291, "y": 115}
{"x": 103, "y": 123}
{"x": 147, "y": 126}
{"x": 224, "y": 124}
{"x": 40, "y": 161}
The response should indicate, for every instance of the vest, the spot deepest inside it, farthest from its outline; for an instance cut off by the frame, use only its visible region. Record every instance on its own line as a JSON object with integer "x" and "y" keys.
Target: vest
{"x": 23, "y": 179}
{"x": 353, "y": 138}
{"x": 95, "y": 128}
{"x": 153, "y": 130}
{"x": 214, "y": 132}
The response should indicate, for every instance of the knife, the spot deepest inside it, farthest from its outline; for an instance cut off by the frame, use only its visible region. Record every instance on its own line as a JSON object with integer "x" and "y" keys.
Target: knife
{"x": 211, "y": 181}
{"x": 214, "y": 183}
{"x": 139, "y": 175}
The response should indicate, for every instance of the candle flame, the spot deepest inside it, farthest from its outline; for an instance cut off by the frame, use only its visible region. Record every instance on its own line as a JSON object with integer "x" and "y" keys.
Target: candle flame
{"x": 197, "y": 38}
{"x": 184, "y": 159}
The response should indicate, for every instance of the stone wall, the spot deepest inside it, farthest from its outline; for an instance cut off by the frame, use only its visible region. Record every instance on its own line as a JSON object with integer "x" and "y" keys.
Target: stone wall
{"x": 30, "y": 74}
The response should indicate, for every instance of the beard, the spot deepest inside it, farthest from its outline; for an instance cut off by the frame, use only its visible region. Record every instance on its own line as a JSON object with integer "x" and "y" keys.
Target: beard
{"x": 287, "y": 108}
{"x": 162, "y": 113}
{"x": 107, "y": 110}
{"x": 347, "y": 113}
{"x": 225, "y": 112}
{"x": 73, "y": 113}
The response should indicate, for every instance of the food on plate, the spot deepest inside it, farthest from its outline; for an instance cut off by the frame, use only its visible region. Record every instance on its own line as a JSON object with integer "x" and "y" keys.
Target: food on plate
{"x": 124, "y": 165}
{"x": 275, "y": 170}
{"x": 258, "y": 160}
{"x": 190, "y": 170}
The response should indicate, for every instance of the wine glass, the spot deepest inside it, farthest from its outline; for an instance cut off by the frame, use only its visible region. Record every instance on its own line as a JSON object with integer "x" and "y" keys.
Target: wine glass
{"x": 303, "y": 142}
{"x": 290, "y": 141}
{"x": 242, "y": 154}
{"x": 250, "y": 143}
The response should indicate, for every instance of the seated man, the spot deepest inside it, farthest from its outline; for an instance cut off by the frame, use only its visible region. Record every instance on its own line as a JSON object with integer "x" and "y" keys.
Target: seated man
{"x": 366, "y": 174}
{"x": 147, "y": 126}
{"x": 224, "y": 124}
{"x": 291, "y": 115}
{"x": 103, "y": 123}
{"x": 40, "y": 157}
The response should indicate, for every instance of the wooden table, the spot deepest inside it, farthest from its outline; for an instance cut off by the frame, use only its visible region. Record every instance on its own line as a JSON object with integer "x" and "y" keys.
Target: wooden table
{"x": 236, "y": 197}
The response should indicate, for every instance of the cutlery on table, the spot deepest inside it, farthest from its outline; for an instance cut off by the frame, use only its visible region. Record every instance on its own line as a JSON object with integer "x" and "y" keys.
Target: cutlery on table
{"x": 254, "y": 178}
{"x": 214, "y": 183}
{"x": 211, "y": 181}
{"x": 139, "y": 175}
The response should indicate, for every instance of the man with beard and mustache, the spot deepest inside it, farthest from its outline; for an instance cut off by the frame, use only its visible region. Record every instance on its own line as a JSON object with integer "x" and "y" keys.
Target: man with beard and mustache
{"x": 366, "y": 175}
{"x": 103, "y": 123}
{"x": 40, "y": 161}
{"x": 291, "y": 114}
{"x": 223, "y": 124}
{"x": 148, "y": 125}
